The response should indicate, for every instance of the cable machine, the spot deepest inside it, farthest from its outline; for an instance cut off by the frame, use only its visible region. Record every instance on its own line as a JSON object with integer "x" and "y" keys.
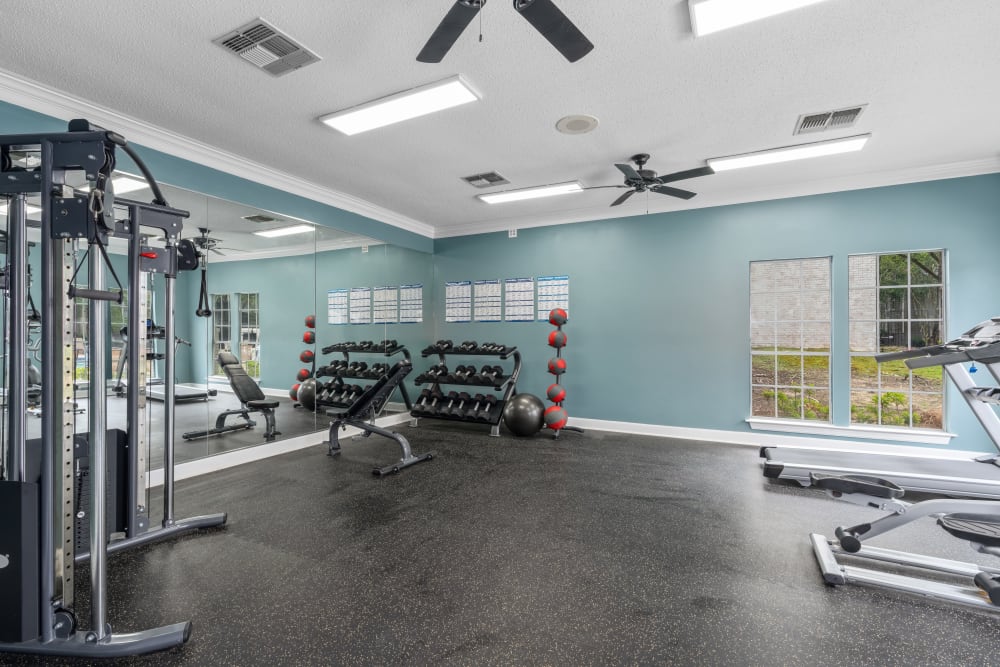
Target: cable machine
{"x": 37, "y": 493}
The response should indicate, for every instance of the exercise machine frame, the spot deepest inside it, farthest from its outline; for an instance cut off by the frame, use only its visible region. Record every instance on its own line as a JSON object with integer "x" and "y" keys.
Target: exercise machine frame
{"x": 977, "y": 521}
{"x": 973, "y": 477}
{"x": 43, "y": 557}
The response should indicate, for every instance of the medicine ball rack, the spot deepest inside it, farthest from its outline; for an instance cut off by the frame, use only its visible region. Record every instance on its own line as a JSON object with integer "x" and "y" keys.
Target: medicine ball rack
{"x": 443, "y": 407}
{"x": 332, "y": 393}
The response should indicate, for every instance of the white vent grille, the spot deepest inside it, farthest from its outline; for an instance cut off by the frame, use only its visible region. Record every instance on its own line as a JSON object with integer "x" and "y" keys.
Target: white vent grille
{"x": 828, "y": 120}
{"x": 267, "y": 48}
{"x": 486, "y": 180}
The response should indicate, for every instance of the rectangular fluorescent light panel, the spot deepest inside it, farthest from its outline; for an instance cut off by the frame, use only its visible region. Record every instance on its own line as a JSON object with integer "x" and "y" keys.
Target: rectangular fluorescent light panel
{"x": 402, "y": 106}
{"x": 789, "y": 153}
{"x": 708, "y": 16}
{"x": 285, "y": 231}
{"x": 531, "y": 193}
{"x": 125, "y": 184}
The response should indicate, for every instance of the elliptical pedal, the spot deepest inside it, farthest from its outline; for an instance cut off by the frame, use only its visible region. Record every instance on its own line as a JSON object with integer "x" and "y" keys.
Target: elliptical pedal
{"x": 979, "y": 528}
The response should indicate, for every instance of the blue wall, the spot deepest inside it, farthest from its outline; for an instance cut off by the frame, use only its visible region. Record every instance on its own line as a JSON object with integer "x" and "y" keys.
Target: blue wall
{"x": 659, "y": 304}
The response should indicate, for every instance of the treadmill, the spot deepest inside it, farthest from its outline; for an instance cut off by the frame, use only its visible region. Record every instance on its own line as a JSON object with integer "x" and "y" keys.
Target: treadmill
{"x": 976, "y": 476}
{"x": 154, "y": 388}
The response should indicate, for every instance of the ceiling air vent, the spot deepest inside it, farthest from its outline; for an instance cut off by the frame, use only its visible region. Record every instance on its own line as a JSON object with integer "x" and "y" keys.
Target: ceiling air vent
{"x": 266, "y": 47}
{"x": 828, "y": 120}
{"x": 486, "y": 180}
{"x": 257, "y": 217}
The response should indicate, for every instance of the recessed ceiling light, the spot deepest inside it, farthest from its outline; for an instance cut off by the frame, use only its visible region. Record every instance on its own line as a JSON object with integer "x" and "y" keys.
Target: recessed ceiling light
{"x": 532, "y": 193}
{"x": 788, "y": 153}
{"x": 708, "y": 16}
{"x": 285, "y": 231}
{"x": 402, "y": 106}
{"x": 577, "y": 124}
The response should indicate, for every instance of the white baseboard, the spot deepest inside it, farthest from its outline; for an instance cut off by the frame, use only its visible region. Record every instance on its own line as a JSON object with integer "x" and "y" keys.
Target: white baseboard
{"x": 746, "y": 438}
{"x": 237, "y": 457}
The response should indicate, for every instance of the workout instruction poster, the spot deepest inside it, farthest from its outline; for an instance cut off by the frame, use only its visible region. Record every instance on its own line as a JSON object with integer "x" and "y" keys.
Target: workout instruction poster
{"x": 337, "y": 306}
{"x": 385, "y": 305}
{"x": 411, "y": 303}
{"x": 553, "y": 292}
{"x": 361, "y": 305}
{"x": 486, "y": 300}
{"x": 519, "y": 299}
{"x": 458, "y": 301}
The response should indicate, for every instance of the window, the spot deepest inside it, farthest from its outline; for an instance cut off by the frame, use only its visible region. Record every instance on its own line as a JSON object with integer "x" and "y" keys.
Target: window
{"x": 250, "y": 333}
{"x": 896, "y": 302}
{"x": 221, "y": 332}
{"x": 790, "y": 338}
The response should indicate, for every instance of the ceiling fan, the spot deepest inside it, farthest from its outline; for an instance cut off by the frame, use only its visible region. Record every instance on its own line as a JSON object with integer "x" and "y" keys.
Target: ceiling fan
{"x": 206, "y": 243}
{"x": 542, "y": 14}
{"x": 643, "y": 180}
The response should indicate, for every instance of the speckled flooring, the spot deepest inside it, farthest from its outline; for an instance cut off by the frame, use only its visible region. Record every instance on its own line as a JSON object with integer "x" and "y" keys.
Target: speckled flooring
{"x": 594, "y": 549}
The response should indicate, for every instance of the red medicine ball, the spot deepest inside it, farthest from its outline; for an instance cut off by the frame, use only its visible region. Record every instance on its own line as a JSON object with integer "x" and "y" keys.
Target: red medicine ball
{"x": 556, "y": 393}
{"x": 311, "y": 321}
{"x": 294, "y": 392}
{"x": 555, "y": 417}
{"x": 557, "y": 339}
{"x": 557, "y": 365}
{"x": 307, "y": 356}
{"x": 309, "y": 337}
{"x": 558, "y": 317}
{"x": 303, "y": 374}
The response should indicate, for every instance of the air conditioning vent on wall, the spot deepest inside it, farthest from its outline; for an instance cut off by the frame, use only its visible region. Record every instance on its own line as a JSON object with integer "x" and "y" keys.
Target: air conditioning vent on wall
{"x": 486, "y": 180}
{"x": 828, "y": 120}
{"x": 267, "y": 48}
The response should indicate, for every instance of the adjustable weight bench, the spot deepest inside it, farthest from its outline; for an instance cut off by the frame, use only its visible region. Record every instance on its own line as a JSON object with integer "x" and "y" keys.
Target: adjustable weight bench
{"x": 365, "y": 407}
{"x": 252, "y": 399}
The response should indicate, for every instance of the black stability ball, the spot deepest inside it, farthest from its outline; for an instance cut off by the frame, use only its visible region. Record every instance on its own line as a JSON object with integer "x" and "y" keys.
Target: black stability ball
{"x": 307, "y": 394}
{"x": 524, "y": 414}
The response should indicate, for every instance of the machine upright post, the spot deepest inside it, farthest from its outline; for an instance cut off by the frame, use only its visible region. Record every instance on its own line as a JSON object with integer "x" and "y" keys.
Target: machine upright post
{"x": 168, "y": 396}
{"x": 136, "y": 388}
{"x": 17, "y": 290}
{"x": 98, "y": 390}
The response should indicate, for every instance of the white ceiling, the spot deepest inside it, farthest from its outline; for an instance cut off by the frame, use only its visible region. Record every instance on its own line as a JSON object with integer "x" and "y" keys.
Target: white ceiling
{"x": 927, "y": 69}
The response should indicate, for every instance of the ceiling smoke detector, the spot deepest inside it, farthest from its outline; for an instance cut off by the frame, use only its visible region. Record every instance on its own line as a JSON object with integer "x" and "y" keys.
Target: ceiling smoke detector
{"x": 822, "y": 121}
{"x": 577, "y": 124}
{"x": 267, "y": 48}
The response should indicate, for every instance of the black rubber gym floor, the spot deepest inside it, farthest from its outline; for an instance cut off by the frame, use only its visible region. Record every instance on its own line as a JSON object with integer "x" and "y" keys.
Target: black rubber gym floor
{"x": 594, "y": 549}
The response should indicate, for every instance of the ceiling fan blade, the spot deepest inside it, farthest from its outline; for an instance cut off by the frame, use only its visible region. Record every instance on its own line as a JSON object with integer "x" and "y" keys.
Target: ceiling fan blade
{"x": 630, "y": 173}
{"x": 682, "y": 175}
{"x": 555, "y": 27}
{"x": 448, "y": 31}
{"x": 217, "y": 252}
{"x": 673, "y": 192}
{"x": 622, "y": 199}
{"x": 600, "y": 187}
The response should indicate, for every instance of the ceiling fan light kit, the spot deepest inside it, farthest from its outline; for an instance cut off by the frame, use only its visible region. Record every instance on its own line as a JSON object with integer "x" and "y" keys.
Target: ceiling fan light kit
{"x": 708, "y": 16}
{"x": 420, "y": 101}
{"x": 531, "y": 193}
{"x": 789, "y": 153}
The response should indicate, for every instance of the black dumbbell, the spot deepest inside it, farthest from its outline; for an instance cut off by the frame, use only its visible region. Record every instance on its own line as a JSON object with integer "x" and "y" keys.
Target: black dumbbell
{"x": 438, "y": 371}
{"x": 490, "y": 374}
{"x": 445, "y": 409}
{"x": 442, "y": 345}
{"x": 487, "y": 407}
{"x": 386, "y": 345}
{"x": 468, "y": 346}
{"x": 461, "y": 373}
{"x": 423, "y": 400}
{"x": 477, "y": 401}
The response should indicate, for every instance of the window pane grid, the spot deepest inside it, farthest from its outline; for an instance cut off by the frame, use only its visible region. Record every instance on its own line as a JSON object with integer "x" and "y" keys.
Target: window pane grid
{"x": 896, "y": 303}
{"x": 790, "y": 338}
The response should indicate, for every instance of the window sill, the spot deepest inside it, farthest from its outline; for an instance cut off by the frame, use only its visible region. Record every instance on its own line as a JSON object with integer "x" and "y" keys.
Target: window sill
{"x": 917, "y": 435}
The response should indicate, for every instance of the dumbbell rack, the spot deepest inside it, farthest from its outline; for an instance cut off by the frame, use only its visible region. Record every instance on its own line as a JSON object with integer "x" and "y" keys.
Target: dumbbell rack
{"x": 505, "y": 383}
{"x": 338, "y": 376}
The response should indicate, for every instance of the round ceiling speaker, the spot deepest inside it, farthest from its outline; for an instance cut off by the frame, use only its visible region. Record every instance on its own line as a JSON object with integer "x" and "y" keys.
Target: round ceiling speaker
{"x": 577, "y": 124}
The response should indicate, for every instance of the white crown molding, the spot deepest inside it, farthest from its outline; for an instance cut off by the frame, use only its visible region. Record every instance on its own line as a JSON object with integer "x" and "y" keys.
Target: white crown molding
{"x": 42, "y": 99}
{"x": 862, "y": 181}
